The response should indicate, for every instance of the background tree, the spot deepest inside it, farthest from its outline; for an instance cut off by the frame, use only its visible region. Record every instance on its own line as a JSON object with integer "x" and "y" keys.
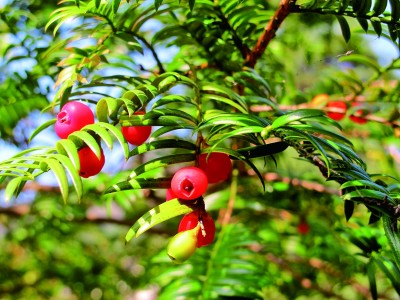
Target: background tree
{"x": 293, "y": 92}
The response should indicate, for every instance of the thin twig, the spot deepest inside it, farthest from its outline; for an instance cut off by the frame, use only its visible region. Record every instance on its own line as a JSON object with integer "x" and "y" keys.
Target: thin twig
{"x": 285, "y": 7}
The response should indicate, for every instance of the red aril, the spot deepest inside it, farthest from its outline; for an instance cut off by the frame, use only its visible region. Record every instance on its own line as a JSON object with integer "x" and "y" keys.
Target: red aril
{"x": 190, "y": 221}
{"x": 90, "y": 164}
{"x": 217, "y": 166}
{"x": 358, "y": 116}
{"x": 189, "y": 183}
{"x": 72, "y": 117}
{"x": 336, "y": 110}
{"x": 136, "y": 135}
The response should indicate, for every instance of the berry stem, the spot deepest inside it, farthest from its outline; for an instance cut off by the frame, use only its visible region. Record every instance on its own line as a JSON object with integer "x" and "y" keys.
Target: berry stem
{"x": 227, "y": 213}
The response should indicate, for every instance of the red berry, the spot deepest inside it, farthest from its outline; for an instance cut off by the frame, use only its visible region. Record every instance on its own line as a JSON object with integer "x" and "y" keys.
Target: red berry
{"x": 72, "y": 117}
{"x": 337, "y": 110}
{"x": 303, "y": 227}
{"x": 136, "y": 135}
{"x": 357, "y": 117}
{"x": 217, "y": 166}
{"x": 189, "y": 183}
{"x": 90, "y": 164}
{"x": 190, "y": 221}
{"x": 169, "y": 195}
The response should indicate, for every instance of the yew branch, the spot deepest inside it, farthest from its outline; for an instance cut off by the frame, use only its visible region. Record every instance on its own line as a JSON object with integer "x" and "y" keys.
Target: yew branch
{"x": 284, "y": 9}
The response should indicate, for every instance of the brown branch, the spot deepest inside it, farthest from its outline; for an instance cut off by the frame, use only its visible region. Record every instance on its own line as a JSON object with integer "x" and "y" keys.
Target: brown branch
{"x": 285, "y": 7}
{"x": 19, "y": 211}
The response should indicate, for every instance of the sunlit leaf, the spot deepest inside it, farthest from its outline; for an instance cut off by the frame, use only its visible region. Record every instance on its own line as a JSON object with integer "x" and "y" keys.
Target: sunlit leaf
{"x": 160, "y": 213}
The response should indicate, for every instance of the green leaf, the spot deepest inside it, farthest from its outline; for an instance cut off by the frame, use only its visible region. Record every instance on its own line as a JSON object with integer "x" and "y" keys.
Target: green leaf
{"x": 314, "y": 142}
{"x": 140, "y": 183}
{"x": 168, "y": 99}
{"x": 210, "y": 88}
{"x": 372, "y": 279}
{"x": 159, "y": 214}
{"x": 101, "y": 132}
{"x": 377, "y": 27}
{"x": 234, "y": 119}
{"x": 82, "y": 136}
{"x": 296, "y": 115}
{"x": 118, "y": 135}
{"x": 72, "y": 171}
{"x": 41, "y": 128}
{"x": 348, "y": 209}
{"x": 365, "y": 7}
{"x": 115, "y": 5}
{"x": 163, "y": 144}
{"x": 395, "y": 10}
{"x": 60, "y": 175}
{"x": 218, "y": 98}
{"x": 263, "y": 150}
{"x": 68, "y": 148}
{"x": 107, "y": 107}
{"x": 191, "y": 4}
{"x": 160, "y": 162}
{"x": 379, "y": 8}
{"x": 169, "y": 112}
{"x": 390, "y": 270}
{"x": 393, "y": 236}
{"x": 365, "y": 183}
{"x": 365, "y": 193}
{"x": 217, "y": 139}
{"x": 12, "y": 187}
{"x": 344, "y": 26}
{"x": 317, "y": 129}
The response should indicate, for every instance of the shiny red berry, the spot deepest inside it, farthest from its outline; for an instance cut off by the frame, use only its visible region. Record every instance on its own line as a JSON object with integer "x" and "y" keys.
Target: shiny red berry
{"x": 189, "y": 183}
{"x": 303, "y": 227}
{"x": 72, "y": 117}
{"x": 204, "y": 237}
{"x": 217, "y": 166}
{"x": 336, "y": 110}
{"x": 136, "y": 135}
{"x": 358, "y": 116}
{"x": 90, "y": 164}
{"x": 169, "y": 195}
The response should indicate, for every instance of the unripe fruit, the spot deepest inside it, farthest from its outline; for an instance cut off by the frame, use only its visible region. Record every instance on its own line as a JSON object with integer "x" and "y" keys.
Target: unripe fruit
{"x": 357, "y": 116}
{"x": 319, "y": 100}
{"x": 336, "y": 110}
{"x": 183, "y": 245}
{"x": 169, "y": 195}
{"x": 90, "y": 164}
{"x": 189, "y": 183}
{"x": 136, "y": 135}
{"x": 217, "y": 166}
{"x": 207, "y": 234}
{"x": 72, "y": 117}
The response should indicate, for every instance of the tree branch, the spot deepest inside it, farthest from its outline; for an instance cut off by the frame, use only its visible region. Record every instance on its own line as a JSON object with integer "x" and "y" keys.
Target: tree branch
{"x": 285, "y": 7}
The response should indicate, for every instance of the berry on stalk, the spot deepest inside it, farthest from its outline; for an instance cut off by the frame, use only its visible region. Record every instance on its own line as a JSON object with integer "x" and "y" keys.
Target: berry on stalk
{"x": 206, "y": 234}
{"x": 216, "y": 165}
{"x": 136, "y": 135}
{"x": 336, "y": 110}
{"x": 189, "y": 183}
{"x": 90, "y": 164}
{"x": 72, "y": 117}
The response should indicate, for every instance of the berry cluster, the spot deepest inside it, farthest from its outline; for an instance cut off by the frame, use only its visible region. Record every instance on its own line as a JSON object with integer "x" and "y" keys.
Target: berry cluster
{"x": 337, "y": 109}
{"x": 197, "y": 228}
{"x": 76, "y": 115}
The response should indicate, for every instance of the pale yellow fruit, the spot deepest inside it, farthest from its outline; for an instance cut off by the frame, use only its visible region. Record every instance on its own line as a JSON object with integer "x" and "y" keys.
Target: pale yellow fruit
{"x": 183, "y": 245}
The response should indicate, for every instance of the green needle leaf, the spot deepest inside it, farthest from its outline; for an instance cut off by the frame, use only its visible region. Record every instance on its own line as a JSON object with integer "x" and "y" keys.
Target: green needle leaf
{"x": 159, "y": 214}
